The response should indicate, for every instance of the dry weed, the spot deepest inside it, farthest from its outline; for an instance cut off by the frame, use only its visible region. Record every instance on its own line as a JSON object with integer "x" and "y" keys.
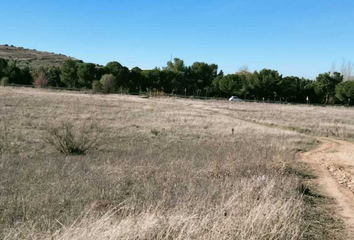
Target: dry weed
{"x": 73, "y": 141}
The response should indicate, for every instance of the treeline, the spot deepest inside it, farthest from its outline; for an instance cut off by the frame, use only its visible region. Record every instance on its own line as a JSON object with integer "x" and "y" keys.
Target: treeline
{"x": 199, "y": 79}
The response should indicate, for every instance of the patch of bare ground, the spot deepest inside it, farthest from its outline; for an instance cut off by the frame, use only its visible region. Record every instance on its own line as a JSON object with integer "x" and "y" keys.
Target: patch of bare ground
{"x": 333, "y": 164}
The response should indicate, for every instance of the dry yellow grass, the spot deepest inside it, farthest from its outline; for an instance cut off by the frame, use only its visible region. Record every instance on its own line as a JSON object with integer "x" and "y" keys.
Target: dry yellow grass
{"x": 162, "y": 169}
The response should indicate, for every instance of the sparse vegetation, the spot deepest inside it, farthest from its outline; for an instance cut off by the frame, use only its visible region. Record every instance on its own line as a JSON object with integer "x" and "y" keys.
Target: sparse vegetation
{"x": 71, "y": 140}
{"x": 191, "y": 182}
{"x": 34, "y": 59}
{"x": 40, "y": 79}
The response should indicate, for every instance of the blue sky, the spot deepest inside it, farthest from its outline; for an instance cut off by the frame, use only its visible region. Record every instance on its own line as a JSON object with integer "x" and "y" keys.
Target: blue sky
{"x": 297, "y": 37}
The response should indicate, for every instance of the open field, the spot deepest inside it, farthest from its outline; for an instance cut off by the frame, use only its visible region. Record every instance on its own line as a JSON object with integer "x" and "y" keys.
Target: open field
{"x": 335, "y": 122}
{"x": 162, "y": 168}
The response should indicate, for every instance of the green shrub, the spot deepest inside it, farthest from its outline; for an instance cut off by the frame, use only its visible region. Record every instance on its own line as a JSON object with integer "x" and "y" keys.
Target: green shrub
{"x": 108, "y": 83}
{"x": 96, "y": 86}
{"x": 71, "y": 140}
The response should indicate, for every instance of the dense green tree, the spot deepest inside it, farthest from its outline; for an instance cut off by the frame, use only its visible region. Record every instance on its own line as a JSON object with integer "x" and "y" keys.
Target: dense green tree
{"x": 288, "y": 87}
{"x": 232, "y": 84}
{"x": 120, "y": 72}
{"x": 113, "y": 68}
{"x": 325, "y": 85}
{"x": 173, "y": 78}
{"x": 68, "y": 73}
{"x": 53, "y": 76}
{"x": 176, "y": 66}
{"x": 202, "y": 75}
{"x": 136, "y": 80}
{"x": 100, "y": 71}
{"x": 3, "y": 68}
{"x": 152, "y": 78}
{"x": 264, "y": 84}
{"x": 26, "y": 76}
{"x": 345, "y": 92}
{"x": 17, "y": 75}
{"x": 86, "y": 73}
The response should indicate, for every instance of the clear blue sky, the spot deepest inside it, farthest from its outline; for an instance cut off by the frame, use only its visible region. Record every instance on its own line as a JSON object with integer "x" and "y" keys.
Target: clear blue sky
{"x": 297, "y": 37}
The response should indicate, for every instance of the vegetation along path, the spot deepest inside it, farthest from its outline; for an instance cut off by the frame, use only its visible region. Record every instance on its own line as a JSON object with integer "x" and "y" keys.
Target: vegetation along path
{"x": 332, "y": 163}
{"x": 334, "y": 166}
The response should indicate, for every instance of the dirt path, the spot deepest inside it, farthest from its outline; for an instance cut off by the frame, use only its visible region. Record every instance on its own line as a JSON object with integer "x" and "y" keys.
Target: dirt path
{"x": 333, "y": 163}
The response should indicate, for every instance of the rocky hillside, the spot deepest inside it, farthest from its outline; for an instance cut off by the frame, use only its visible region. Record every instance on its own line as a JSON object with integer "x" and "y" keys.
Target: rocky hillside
{"x": 32, "y": 57}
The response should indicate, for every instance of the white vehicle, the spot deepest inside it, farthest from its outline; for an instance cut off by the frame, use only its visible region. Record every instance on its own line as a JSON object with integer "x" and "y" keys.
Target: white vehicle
{"x": 235, "y": 99}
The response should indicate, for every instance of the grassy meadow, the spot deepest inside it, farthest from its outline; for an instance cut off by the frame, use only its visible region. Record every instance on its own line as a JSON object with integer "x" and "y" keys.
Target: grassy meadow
{"x": 161, "y": 168}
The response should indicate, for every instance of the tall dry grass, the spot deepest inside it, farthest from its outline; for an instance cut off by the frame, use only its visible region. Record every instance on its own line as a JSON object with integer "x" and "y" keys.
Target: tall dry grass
{"x": 191, "y": 180}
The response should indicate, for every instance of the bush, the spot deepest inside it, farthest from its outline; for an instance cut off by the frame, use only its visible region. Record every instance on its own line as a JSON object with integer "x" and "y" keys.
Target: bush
{"x": 70, "y": 140}
{"x": 108, "y": 83}
{"x": 4, "y": 81}
{"x": 40, "y": 79}
{"x": 96, "y": 86}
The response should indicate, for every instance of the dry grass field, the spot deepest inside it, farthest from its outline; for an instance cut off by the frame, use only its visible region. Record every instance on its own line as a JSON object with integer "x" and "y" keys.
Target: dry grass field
{"x": 161, "y": 168}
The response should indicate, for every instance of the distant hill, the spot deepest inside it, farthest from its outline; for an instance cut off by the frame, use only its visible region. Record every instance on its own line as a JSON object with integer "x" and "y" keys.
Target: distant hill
{"x": 31, "y": 57}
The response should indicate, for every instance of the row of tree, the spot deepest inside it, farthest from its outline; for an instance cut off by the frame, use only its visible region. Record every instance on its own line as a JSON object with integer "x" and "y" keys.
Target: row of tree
{"x": 199, "y": 79}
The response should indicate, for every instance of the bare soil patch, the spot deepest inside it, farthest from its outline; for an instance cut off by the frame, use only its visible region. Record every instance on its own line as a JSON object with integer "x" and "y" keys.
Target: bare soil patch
{"x": 333, "y": 163}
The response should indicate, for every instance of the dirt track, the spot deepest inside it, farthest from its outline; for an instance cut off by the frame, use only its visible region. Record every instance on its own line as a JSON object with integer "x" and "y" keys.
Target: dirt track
{"x": 333, "y": 163}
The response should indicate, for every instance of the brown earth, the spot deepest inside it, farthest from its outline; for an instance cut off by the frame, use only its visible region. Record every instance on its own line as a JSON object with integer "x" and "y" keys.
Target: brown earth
{"x": 333, "y": 163}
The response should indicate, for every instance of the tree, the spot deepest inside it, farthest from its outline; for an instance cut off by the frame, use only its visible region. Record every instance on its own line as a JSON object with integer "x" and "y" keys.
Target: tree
{"x": 288, "y": 87}
{"x": 152, "y": 78}
{"x": 325, "y": 85}
{"x": 264, "y": 83}
{"x": 100, "y": 71}
{"x": 176, "y": 66}
{"x": 86, "y": 73}
{"x": 69, "y": 73}
{"x": 53, "y": 76}
{"x": 232, "y": 84}
{"x": 345, "y": 91}
{"x": 120, "y": 72}
{"x": 18, "y": 76}
{"x": 203, "y": 74}
{"x": 173, "y": 77}
{"x": 96, "y": 86}
{"x": 3, "y": 68}
{"x": 108, "y": 83}
{"x": 135, "y": 80}
{"x": 26, "y": 76}
{"x": 113, "y": 68}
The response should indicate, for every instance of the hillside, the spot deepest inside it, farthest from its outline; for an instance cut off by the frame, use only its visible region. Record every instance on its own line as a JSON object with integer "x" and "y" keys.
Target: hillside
{"x": 32, "y": 57}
